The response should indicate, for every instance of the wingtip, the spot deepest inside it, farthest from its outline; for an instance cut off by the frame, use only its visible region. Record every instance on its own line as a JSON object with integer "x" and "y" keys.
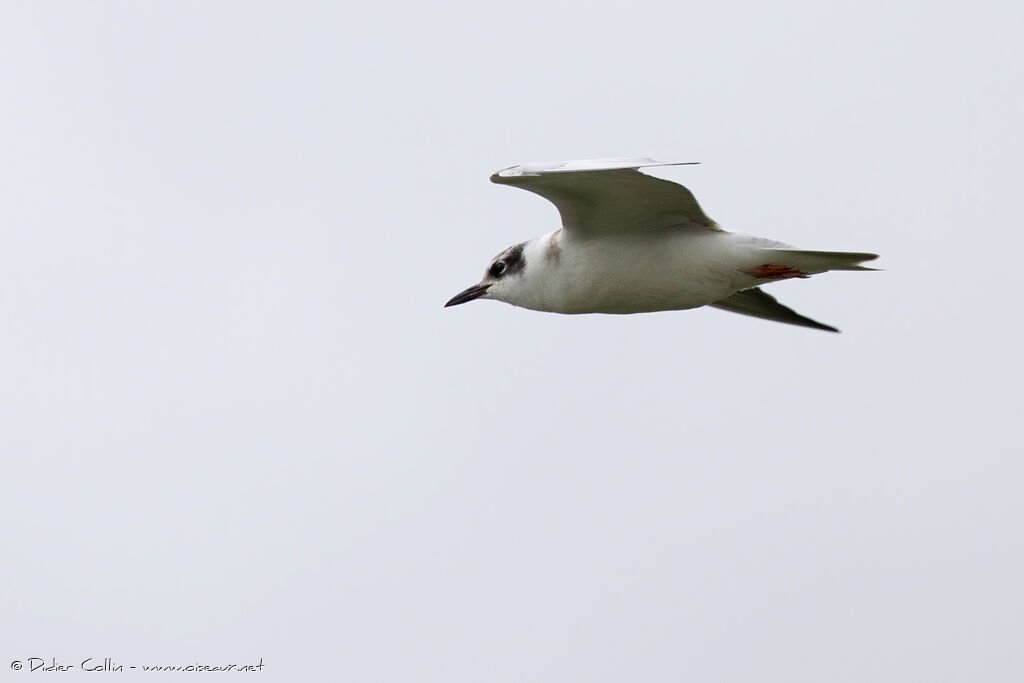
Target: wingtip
{"x": 507, "y": 176}
{"x": 804, "y": 321}
{"x": 511, "y": 173}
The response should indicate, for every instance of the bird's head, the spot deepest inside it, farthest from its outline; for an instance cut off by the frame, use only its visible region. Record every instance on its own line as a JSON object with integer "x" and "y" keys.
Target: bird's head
{"x": 503, "y": 280}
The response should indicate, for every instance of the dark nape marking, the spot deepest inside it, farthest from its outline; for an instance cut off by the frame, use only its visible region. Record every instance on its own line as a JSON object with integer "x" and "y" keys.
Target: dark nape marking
{"x": 513, "y": 258}
{"x": 554, "y": 251}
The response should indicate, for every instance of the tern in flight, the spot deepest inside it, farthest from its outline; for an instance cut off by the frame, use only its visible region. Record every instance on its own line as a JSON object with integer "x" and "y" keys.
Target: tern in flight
{"x": 633, "y": 243}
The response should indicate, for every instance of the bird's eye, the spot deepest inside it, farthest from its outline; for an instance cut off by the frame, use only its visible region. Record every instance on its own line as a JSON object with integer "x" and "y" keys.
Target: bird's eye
{"x": 497, "y": 268}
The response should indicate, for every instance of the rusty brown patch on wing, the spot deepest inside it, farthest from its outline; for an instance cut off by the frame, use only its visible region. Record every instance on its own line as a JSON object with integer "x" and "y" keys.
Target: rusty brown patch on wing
{"x": 774, "y": 271}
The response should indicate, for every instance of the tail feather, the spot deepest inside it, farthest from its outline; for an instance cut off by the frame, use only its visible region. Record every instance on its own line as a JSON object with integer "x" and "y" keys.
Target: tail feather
{"x": 811, "y": 262}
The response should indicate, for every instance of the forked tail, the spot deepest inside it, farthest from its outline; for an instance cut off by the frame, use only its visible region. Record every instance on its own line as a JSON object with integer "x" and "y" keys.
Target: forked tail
{"x": 781, "y": 264}
{"x": 811, "y": 262}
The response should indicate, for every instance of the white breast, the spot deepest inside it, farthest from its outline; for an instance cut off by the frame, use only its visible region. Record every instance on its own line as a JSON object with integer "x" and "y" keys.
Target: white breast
{"x": 633, "y": 273}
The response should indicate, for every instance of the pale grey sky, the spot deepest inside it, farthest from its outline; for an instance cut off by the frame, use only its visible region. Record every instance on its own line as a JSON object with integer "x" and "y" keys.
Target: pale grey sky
{"x": 237, "y": 422}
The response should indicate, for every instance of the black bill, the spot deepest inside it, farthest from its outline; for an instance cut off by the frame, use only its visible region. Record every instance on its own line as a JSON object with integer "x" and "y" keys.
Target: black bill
{"x": 474, "y": 292}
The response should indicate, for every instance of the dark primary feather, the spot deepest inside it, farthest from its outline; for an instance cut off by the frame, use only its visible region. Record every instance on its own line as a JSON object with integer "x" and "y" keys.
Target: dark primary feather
{"x": 756, "y": 303}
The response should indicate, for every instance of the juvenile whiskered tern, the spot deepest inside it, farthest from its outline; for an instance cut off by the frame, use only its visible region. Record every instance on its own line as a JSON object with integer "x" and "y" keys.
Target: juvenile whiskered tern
{"x": 633, "y": 243}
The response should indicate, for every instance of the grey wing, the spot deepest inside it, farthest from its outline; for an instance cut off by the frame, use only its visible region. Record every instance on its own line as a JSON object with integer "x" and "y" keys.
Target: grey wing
{"x": 604, "y": 196}
{"x": 756, "y": 303}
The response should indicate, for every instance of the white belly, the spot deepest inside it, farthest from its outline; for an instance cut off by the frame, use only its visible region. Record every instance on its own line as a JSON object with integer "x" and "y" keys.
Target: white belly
{"x": 634, "y": 274}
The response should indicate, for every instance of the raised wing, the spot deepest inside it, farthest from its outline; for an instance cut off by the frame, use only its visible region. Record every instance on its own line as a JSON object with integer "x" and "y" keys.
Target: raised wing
{"x": 604, "y": 196}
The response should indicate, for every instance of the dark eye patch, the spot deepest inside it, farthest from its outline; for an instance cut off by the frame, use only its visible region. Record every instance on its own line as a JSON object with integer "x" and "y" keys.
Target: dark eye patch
{"x": 508, "y": 262}
{"x": 514, "y": 256}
